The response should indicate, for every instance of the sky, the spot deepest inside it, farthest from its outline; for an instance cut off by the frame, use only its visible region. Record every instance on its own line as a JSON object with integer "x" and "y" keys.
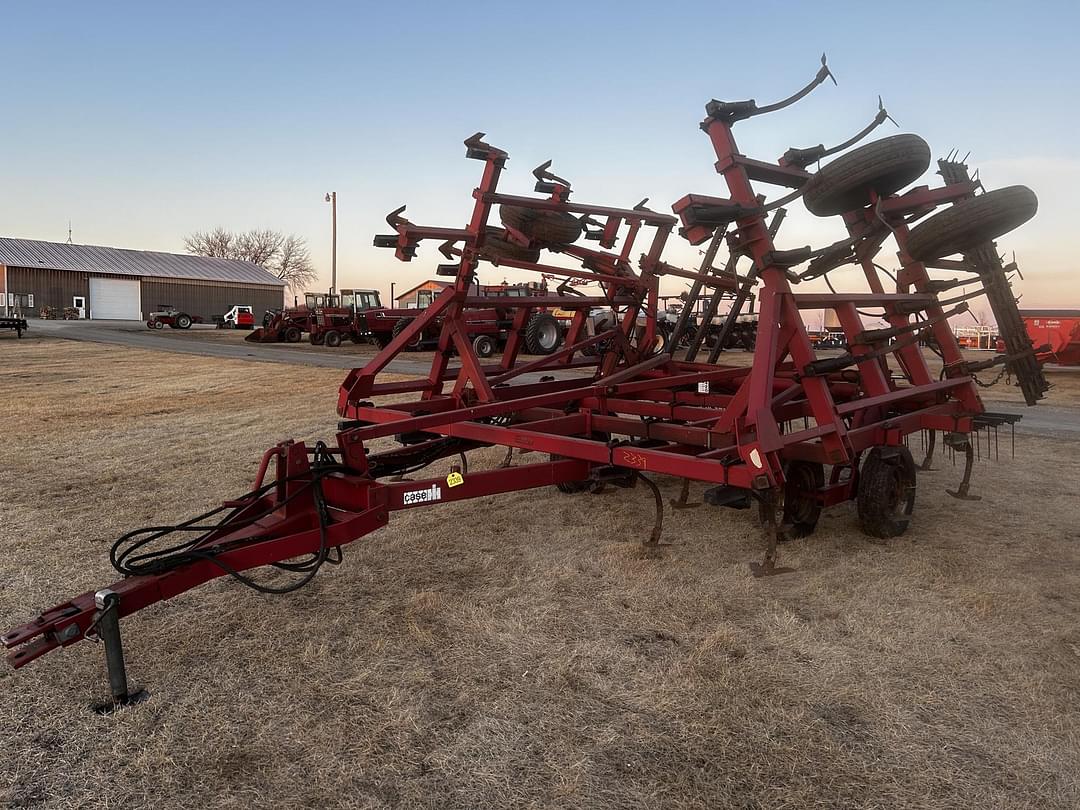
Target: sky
{"x": 142, "y": 122}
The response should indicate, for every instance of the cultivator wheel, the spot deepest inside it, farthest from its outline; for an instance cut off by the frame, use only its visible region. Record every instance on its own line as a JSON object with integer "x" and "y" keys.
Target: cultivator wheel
{"x": 882, "y": 167}
{"x": 497, "y": 246}
{"x": 972, "y": 222}
{"x": 547, "y": 227}
{"x": 799, "y": 505}
{"x": 886, "y": 494}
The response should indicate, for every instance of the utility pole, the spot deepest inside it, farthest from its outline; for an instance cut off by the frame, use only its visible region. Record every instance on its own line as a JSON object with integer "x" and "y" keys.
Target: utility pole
{"x": 331, "y": 198}
{"x": 392, "y": 304}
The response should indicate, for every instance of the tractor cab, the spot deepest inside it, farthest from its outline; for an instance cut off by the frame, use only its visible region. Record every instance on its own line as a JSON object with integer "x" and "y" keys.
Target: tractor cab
{"x": 321, "y": 300}
{"x": 360, "y": 300}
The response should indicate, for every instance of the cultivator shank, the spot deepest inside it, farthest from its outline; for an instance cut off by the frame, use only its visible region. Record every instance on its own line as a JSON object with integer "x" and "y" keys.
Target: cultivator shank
{"x": 792, "y": 433}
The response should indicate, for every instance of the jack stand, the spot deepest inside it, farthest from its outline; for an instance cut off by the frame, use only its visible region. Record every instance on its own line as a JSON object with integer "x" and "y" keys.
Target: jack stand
{"x": 107, "y": 626}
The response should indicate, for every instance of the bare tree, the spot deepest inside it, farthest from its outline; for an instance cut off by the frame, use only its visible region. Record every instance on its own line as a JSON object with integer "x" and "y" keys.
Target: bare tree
{"x": 286, "y": 256}
{"x": 294, "y": 263}
{"x": 218, "y": 243}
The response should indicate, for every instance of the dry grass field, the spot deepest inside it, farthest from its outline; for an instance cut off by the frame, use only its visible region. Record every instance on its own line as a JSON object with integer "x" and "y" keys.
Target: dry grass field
{"x": 520, "y": 651}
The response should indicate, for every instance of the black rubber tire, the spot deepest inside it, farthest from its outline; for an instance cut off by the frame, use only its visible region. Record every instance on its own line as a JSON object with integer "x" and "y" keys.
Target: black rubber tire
{"x": 159, "y": 325}
{"x": 886, "y": 494}
{"x": 315, "y": 339}
{"x": 970, "y": 223}
{"x": 543, "y": 335}
{"x": 400, "y": 327}
{"x": 381, "y": 339}
{"x": 574, "y": 487}
{"x": 293, "y": 334}
{"x": 183, "y": 321}
{"x": 332, "y": 339}
{"x": 497, "y": 246}
{"x": 801, "y": 513}
{"x": 748, "y": 337}
{"x": 549, "y": 227}
{"x": 483, "y": 345}
{"x": 884, "y": 166}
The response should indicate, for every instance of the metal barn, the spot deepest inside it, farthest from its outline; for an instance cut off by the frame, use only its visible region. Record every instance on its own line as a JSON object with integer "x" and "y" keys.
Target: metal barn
{"x": 117, "y": 284}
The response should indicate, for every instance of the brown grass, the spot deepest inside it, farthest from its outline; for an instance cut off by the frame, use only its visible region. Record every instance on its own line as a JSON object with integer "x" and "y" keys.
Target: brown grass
{"x": 517, "y": 650}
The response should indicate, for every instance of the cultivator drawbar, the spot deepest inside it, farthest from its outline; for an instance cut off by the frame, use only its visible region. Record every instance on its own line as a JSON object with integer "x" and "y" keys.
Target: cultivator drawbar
{"x": 791, "y": 434}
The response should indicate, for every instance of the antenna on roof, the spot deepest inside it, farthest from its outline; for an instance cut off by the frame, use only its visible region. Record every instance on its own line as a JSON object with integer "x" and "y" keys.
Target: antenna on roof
{"x": 69, "y": 232}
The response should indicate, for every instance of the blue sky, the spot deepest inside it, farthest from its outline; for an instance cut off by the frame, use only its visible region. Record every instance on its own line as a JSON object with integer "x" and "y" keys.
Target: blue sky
{"x": 141, "y": 122}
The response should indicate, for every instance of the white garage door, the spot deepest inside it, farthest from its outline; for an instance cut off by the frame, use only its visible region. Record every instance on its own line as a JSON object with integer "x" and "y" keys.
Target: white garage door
{"x": 115, "y": 299}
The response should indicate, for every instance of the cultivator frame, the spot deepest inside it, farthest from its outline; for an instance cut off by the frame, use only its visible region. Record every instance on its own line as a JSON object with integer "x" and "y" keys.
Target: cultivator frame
{"x": 606, "y": 407}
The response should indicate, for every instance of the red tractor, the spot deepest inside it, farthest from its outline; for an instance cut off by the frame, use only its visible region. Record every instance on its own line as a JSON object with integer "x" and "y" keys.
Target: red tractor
{"x": 288, "y": 325}
{"x": 340, "y": 317}
{"x": 489, "y": 326}
{"x": 168, "y": 315}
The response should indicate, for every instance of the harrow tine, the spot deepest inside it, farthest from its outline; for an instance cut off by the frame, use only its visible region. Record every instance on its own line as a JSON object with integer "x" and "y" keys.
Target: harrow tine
{"x": 658, "y": 526}
{"x": 963, "y": 443}
{"x": 684, "y": 496}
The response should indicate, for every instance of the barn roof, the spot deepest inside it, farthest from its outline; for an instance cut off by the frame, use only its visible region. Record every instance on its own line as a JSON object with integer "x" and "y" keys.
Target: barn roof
{"x": 124, "y": 262}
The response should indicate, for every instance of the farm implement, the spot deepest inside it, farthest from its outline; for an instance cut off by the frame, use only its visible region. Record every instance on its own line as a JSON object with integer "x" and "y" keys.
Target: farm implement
{"x": 789, "y": 435}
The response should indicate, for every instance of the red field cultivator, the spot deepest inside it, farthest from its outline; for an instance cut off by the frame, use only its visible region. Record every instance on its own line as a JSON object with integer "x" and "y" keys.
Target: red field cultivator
{"x": 790, "y": 435}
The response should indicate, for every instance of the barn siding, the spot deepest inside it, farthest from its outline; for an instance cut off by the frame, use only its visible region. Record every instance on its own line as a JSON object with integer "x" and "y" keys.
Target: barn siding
{"x": 54, "y": 288}
{"x": 57, "y": 288}
{"x": 209, "y": 298}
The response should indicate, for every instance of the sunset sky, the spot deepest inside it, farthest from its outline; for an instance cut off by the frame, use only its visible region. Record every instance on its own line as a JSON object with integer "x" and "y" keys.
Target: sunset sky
{"x": 141, "y": 122}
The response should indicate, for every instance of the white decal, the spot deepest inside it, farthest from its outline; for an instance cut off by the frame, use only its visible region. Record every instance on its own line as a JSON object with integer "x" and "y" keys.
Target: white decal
{"x": 755, "y": 458}
{"x": 432, "y": 493}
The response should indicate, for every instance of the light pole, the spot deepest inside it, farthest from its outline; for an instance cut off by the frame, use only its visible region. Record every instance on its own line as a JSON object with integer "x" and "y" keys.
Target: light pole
{"x": 392, "y": 304}
{"x": 331, "y": 197}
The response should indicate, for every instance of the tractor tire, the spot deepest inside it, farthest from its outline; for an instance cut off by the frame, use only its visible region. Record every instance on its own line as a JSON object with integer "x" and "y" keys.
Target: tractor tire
{"x": 969, "y": 223}
{"x": 497, "y": 246}
{"x": 381, "y": 339}
{"x": 149, "y": 324}
{"x": 662, "y": 337}
{"x": 543, "y": 335}
{"x": 886, "y": 493}
{"x": 315, "y": 338}
{"x": 884, "y": 167}
{"x": 801, "y": 511}
{"x": 332, "y": 339}
{"x": 292, "y": 334}
{"x": 183, "y": 321}
{"x": 400, "y": 327}
{"x": 159, "y": 325}
{"x": 748, "y": 337}
{"x": 483, "y": 345}
{"x": 548, "y": 227}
